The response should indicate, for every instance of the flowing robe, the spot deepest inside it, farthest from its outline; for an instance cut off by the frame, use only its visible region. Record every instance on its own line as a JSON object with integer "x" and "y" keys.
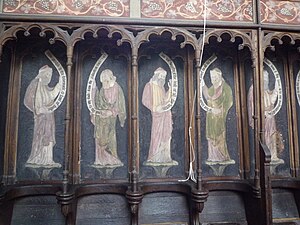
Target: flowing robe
{"x": 38, "y": 98}
{"x": 219, "y": 98}
{"x": 154, "y": 97}
{"x": 270, "y": 98}
{"x": 111, "y": 99}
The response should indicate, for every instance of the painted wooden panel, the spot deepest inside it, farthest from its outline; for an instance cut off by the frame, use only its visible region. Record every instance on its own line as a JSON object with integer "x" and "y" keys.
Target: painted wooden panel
{"x": 41, "y": 129}
{"x": 162, "y": 136}
{"x": 280, "y": 12}
{"x": 220, "y": 152}
{"x": 114, "y": 8}
{"x": 240, "y": 10}
{"x": 104, "y": 138}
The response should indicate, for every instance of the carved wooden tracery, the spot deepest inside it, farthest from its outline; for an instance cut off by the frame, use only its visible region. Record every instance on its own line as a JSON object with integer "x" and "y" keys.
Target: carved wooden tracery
{"x": 136, "y": 37}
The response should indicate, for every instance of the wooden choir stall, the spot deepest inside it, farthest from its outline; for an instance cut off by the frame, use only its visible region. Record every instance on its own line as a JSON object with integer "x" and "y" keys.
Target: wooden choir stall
{"x": 151, "y": 112}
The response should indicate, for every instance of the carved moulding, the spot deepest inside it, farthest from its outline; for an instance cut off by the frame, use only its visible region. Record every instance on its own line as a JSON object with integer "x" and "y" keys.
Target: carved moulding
{"x": 248, "y": 38}
{"x": 268, "y": 37}
{"x": 10, "y": 32}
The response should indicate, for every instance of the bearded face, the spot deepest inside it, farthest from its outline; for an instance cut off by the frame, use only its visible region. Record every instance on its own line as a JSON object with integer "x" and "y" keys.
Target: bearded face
{"x": 107, "y": 79}
{"x": 160, "y": 78}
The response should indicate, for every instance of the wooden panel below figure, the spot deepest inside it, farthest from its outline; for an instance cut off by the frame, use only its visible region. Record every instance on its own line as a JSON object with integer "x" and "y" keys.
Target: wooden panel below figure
{"x": 223, "y": 223}
{"x": 284, "y": 204}
{"x": 164, "y": 208}
{"x": 103, "y": 209}
{"x": 37, "y": 211}
{"x": 224, "y": 206}
{"x": 166, "y": 223}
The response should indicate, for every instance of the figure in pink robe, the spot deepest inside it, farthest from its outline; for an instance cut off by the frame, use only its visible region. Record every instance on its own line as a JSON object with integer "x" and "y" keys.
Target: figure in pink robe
{"x": 155, "y": 98}
{"x": 38, "y": 98}
{"x": 272, "y": 136}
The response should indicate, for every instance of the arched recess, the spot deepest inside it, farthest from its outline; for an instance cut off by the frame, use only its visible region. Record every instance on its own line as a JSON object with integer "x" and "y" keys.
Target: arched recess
{"x": 90, "y": 43}
{"x": 235, "y": 53}
{"x": 24, "y": 31}
{"x": 177, "y": 48}
{"x": 241, "y": 46}
{"x": 150, "y": 43}
{"x": 282, "y": 50}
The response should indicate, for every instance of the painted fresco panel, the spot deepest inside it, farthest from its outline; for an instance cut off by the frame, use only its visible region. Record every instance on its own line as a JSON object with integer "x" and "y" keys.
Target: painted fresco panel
{"x": 161, "y": 129}
{"x": 104, "y": 136}
{"x": 276, "y": 127}
{"x": 241, "y": 10}
{"x": 111, "y": 8}
{"x": 280, "y": 12}
{"x": 218, "y": 116}
{"x": 41, "y": 123}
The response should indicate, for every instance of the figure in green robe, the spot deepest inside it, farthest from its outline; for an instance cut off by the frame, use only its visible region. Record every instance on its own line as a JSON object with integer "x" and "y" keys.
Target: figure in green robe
{"x": 219, "y": 99}
{"x": 110, "y": 104}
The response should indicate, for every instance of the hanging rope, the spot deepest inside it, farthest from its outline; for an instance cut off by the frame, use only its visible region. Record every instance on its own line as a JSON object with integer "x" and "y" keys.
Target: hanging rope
{"x": 192, "y": 153}
{"x": 191, "y": 175}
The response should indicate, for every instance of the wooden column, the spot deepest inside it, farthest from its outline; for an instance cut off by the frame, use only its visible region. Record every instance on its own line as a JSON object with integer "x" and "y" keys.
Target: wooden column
{"x": 133, "y": 194}
{"x": 198, "y": 195}
{"x": 66, "y": 198}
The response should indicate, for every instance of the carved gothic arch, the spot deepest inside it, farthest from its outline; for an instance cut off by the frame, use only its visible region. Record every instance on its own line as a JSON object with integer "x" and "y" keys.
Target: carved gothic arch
{"x": 10, "y": 33}
{"x": 268, "y": 37}
{"x": 189, "y": 38}
{"x": 248, "y": 39}
{"x": 79, "y": 34}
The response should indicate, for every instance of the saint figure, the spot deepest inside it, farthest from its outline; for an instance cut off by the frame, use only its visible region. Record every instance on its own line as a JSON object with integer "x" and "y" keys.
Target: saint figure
{"x": 38, "y": 98}
{"x": 155, "y": 98}
{"x": 219, "y": 99}
{"x": 110, "y": 103}
{"x": 272, "y": 137}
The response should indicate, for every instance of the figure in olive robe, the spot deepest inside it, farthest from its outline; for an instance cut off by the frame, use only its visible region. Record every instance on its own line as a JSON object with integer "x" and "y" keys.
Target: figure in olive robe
{"x": 110, "y": 102}
{"x": 219, "y": 99}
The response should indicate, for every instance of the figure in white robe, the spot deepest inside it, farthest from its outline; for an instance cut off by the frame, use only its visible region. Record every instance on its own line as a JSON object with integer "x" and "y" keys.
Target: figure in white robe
{"x": 38, "y": 98}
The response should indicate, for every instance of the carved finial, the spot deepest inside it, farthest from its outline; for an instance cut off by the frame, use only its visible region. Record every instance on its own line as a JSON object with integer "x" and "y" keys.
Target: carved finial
{"x": 26, "y": 33}
{"x": 42, "y": 34}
